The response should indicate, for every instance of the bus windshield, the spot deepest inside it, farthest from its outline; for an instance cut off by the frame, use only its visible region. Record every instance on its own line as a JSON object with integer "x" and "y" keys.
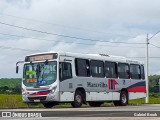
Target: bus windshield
{"x": 40, "y": 74}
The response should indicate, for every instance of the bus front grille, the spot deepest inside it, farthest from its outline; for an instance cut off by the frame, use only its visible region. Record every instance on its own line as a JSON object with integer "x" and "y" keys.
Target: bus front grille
{"x": 42, "y": 98}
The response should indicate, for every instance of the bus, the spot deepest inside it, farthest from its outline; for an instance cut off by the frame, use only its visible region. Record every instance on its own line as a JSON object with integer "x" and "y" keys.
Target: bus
{"x": 55, "y": 77}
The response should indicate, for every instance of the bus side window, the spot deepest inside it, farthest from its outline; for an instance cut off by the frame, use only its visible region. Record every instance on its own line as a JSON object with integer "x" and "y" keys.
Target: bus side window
{"x": 111, "y": 69}
{"x": 142, "y": 72}
{"x": 123, "y": 71}
{"x": 65, "y": 71}
{"x": 97, "y": 68}
{"x": 82, "y": 67}
{"x": 135, "y": 71}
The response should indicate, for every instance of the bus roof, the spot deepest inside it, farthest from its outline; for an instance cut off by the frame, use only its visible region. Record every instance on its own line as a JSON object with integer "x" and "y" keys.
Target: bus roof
{"x": 93, "y": 56}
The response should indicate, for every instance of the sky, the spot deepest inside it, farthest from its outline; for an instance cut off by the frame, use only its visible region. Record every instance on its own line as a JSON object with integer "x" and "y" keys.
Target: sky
{"x": 113, "y": 27}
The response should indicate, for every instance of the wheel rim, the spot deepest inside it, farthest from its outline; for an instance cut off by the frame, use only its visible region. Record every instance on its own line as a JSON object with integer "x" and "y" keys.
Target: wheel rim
{"x": 78, "y": 99}
{"x": 124, "y": 98}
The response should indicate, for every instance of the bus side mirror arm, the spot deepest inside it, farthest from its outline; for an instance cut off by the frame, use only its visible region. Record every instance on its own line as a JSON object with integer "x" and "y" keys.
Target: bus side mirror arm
{"x": 17, "y": 67}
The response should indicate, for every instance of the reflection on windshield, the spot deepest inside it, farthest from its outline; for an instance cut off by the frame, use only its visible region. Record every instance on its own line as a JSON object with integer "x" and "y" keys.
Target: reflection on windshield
{"x": 40, "y": 74}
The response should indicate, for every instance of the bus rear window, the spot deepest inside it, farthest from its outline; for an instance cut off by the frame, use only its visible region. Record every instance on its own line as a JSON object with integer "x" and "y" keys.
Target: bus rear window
{"x": 142, "y": 72}
{"x": 135, "y": 71}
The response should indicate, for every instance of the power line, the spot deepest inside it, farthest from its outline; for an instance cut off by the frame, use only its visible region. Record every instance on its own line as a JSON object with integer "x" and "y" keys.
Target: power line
{"x": 21, "y": 49}
{"x": 155, "y": 45}
{"x": 31, "y": 50}
{"x": 63, "y": 41}
{"x": 71, "y": 27}
{"x": 153, "y": 35}
{"x": 61, "y": 35}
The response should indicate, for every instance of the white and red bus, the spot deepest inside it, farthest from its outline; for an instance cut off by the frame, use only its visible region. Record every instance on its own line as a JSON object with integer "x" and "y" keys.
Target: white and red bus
{"x": 55, "y": 77}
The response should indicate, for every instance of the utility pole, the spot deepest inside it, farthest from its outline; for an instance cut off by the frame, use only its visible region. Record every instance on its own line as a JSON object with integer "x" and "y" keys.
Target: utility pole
{"x": 147, "y": 81}
{"x": 159, "y": 86}
{"x": 147, "y": 88}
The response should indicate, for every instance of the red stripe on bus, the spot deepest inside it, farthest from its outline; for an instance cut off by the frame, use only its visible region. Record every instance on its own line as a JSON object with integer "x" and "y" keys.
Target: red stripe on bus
{"x": 137, "y": 89}
{"x": 109, "y": 84}
{"x": 39, "y": 93}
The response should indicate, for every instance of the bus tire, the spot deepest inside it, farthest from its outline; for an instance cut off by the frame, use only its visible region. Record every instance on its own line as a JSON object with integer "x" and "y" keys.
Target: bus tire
{"x": 95, "y": 104}
{"x": 116, "y": 103}
{"x": 49, "y": 104}
{"x": 78, "y": 99}
{"x": 123, "y": 99}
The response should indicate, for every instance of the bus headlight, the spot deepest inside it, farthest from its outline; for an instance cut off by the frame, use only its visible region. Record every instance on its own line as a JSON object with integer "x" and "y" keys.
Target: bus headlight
{"x": 23, "y": 92}
{"x": 53, "y": 89}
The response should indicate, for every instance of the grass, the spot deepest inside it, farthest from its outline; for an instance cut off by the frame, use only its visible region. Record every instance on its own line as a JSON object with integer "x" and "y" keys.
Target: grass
{"x": 10, "y": 101}
{"x": 152, "y": 100}
{"x": 15, "y": 101}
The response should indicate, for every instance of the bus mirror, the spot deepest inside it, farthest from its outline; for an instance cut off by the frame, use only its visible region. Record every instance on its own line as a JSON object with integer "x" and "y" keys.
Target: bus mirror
{"x": 17, "y": 69}
{"x": 17, "y": 65}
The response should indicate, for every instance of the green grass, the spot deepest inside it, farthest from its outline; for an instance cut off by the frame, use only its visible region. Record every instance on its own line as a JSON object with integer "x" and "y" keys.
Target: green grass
{"x": 11, "y": 101}
{"x": 152, "y": 100}
{"x": 15, "y": 101}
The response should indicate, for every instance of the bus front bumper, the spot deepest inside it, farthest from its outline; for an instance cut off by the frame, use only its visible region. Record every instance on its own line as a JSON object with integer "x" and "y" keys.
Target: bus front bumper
{"x": 41, "y": 98}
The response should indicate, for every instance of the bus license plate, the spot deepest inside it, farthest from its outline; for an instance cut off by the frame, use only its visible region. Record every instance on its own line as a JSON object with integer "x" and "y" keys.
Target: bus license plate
{"x": 36, "y": 100}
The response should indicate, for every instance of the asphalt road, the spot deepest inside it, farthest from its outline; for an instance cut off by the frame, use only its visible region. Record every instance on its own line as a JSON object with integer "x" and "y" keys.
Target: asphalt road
{"x": 97, "y": 113}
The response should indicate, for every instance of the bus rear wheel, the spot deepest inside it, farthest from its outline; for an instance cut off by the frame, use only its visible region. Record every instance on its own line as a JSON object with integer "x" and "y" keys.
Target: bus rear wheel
{"x": 49, "y": 104}
{"x": 123, "y": 99}
{"x": 78, "y": 99}
{"x": 95, "y": 104}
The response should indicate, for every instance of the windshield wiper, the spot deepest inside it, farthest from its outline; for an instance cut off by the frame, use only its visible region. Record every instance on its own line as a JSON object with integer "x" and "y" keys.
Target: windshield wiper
{"x": 38, "y": 71}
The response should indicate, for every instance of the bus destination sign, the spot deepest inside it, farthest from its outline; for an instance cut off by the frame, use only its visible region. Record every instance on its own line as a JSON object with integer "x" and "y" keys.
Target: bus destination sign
{"x": 41, "y": 57}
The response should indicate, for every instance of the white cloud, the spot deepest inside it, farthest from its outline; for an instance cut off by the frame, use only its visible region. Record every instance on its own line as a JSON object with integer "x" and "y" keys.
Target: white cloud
{"x": 111, "y": 17}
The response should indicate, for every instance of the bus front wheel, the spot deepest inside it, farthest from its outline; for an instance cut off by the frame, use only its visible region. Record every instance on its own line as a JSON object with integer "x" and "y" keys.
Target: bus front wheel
{"x": 78, "y": 99}
{"x": 49, "y": 104}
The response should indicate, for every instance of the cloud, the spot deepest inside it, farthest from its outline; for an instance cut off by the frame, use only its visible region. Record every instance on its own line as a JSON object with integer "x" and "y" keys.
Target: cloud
{"x": 110, "y": 20}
